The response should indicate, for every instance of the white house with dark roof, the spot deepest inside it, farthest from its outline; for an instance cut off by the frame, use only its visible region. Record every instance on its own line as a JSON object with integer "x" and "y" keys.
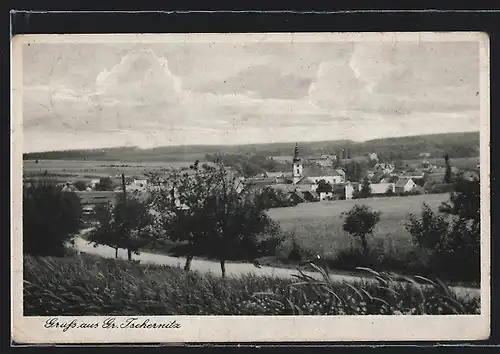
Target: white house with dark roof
{"x": 405, "y": 184}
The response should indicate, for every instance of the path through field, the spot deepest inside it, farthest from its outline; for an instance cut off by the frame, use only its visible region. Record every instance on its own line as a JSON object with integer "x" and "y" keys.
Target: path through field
{"x": 232, "y": 269}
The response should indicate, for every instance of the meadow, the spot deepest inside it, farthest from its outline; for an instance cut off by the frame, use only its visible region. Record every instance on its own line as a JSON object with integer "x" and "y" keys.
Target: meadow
{"x": 86, "y": 169}
{"x": 318, "y": 226}
{"x": 91, "y": 286}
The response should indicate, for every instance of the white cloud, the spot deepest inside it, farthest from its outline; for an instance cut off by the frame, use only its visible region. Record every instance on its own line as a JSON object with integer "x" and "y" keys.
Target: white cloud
{"x": 147, "y": 99}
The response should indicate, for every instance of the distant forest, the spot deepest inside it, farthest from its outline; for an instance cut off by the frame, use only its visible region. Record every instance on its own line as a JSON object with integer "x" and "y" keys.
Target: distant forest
{"x": 457, "y": 145}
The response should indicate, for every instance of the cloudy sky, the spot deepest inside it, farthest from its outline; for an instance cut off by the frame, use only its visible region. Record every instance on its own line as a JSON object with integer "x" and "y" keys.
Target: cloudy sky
{"x": 100, "y": 95}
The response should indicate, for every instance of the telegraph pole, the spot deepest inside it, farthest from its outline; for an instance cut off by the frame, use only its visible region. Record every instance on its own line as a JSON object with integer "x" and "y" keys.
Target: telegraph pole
{"x": 125, "y": 226}
{"x": 124, "y": 189}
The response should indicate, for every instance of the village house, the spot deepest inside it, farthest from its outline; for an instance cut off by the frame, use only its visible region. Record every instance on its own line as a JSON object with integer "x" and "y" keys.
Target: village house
{"x": 381, "y": 188}
{"x": 413, "y": 175}
{"x": 350, "y": 188}
{"x": 470, "y": 175}
{"x": 373, "y": 156}
{"x": 68, "y": 187}
{"x": 137, "y": 185}
{"x": 405, "y": 184}
{"x": 375, "y": 188}
{"x": 94, "y": 182}
{"x": 384, "y": 168}
{"x": 90, "y": 199}
{"x": 389, "y": 179}
{"x": 272, "y": 174}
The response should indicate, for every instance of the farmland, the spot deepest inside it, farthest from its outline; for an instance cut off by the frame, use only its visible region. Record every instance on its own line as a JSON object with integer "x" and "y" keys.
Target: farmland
{"x": 318, "y": 226}
{"x": 83, "y": 169}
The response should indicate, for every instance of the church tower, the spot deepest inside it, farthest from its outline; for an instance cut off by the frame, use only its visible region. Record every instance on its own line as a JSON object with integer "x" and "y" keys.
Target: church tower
{"x": 297, "y": 165}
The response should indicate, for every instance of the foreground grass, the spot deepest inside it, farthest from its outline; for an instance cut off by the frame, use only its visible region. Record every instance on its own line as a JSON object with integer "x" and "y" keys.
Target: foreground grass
{"x": 88, "y": 285}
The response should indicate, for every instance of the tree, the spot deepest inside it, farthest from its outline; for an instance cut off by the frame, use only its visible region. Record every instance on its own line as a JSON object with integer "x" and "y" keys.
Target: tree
{"x": 455, "y": 244}
{"x": 105, "y": 184}
{"x": 324, "y": 187}
{"x": 271, "y": 198}
{"x": 353, "y": 171}
{"x": 106, "y": 233}
{"x": 399, "y": 164}
{"x": 465, "y": 201}
{"x": 360, "y": 222}
{"x": 366, "y": 189}
{"x": 215, "y": 213}
{"x": 50, "y": 219}
{"x": 80, "y": 185}
{"x": 429, "y": 231}
{"x": 128, "y": 225}
{"x": 447, "y": 174}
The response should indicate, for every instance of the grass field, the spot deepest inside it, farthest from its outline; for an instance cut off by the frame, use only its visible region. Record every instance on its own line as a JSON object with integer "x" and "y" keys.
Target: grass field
{"x": 318, "y": 226}
{"x": 90, "y": 285}
{"x": 82, "y": 169}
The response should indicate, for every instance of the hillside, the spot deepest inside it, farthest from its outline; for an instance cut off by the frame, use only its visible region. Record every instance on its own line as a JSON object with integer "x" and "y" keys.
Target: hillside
{"x": 456, "y": 144}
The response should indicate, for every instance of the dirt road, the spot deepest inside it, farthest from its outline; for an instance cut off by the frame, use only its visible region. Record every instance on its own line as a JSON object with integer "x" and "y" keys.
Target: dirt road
{"x": 232, "y": 269}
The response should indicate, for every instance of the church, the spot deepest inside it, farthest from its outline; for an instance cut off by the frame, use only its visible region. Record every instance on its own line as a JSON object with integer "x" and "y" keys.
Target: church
{"x": 311, "y": 175}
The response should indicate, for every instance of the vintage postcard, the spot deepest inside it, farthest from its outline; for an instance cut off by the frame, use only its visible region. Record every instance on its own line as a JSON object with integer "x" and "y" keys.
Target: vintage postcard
{"x": 250, "y": 187}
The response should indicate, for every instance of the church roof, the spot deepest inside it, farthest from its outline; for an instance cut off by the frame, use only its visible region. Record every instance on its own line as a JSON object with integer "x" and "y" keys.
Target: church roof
{"x": 316, "y": 171}
{"x": 305, "y": 180}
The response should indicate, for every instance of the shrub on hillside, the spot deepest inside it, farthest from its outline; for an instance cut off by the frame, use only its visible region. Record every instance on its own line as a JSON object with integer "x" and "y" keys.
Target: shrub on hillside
{"x": 94, "y": 286}
{"x": 455, "y": 244}
{"x": 271, "y": 198}
{"x": 105, "y": 184}
{"x": 50, "y": 218}
{"x": 80, "y": 185}
{"x": 429, "y": 230}
{"x": 298, "y": 253}
{"x": 410, "y": 193}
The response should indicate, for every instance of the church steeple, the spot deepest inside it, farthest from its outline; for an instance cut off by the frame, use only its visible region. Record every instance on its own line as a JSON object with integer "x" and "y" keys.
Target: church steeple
{"x": 297, "y": 165}
{"x": 296, "y": 157}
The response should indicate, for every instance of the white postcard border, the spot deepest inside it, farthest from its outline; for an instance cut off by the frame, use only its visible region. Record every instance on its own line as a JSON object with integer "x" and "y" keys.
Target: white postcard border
{"x": 251, "y": 328}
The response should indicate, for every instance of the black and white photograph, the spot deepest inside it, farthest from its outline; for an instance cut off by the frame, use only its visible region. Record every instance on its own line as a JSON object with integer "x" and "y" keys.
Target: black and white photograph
{"x": 173, "y": 181}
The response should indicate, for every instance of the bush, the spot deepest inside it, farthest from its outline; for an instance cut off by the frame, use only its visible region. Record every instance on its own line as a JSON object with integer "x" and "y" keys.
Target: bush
{"x": 455, "y": 245}
{"x": 429, "y": 231}
{"x": 80, "y": 185}
{"x": 298, "y": 253}
{"x": 410, "y": 193}
{"x": 94, "y": 286}
{"x": 105, "y": 184}
{"x": 50, "y": 219}
{"x": 271, "y": 198}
